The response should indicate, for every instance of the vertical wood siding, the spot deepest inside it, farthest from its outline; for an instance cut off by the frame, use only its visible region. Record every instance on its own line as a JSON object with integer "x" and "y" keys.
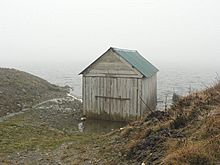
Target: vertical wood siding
{"x": 149, "y": 94}
{"x": 112, "y": 98}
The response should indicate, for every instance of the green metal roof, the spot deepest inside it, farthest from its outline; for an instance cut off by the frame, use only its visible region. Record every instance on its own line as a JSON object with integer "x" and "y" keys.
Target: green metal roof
{"x": 137, "y": 61}
{"x": 133, "y": 58}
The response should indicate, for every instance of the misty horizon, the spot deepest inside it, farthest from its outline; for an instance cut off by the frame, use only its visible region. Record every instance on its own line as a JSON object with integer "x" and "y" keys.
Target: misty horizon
{"x": 165, "y": 33}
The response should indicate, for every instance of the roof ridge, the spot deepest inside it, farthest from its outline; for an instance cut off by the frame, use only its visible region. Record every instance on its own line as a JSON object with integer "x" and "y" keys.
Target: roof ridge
{"x": 137, "y": 60}
{"x": 126, "y": 50}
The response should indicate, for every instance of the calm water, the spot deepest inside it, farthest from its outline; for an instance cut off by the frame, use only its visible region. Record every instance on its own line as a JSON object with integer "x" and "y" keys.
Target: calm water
{"x": 97, "y": 126}
{"x": 180, "y": 79}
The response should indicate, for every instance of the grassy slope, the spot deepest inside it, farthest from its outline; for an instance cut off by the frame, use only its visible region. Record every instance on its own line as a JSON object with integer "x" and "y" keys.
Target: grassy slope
{"x": 201, "y": 129}
{"x": 188, "y": 134}
{"x": 20, "y": 90}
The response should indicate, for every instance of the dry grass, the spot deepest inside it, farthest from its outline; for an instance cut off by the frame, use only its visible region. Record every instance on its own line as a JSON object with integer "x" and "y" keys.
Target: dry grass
{"x": 143, "y": 134}
{"x": 126, "y": 131}
{"x": 202, "y": 144}
{"x": 137, "y": 138}
{"x": 132, "y": 144}
{"x": 191, "y": 152}
{"x": 196, "y": 118}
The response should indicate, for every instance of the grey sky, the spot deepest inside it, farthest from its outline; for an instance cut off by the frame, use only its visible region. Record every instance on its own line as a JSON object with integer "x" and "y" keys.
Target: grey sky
{"x": 164, "y": 31}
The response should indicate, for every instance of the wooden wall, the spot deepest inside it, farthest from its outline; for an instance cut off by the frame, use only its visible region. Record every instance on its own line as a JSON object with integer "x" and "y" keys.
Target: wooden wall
{"x": 113, "y": 89}
{"x": 149, "y": 94}
{"x": 111, "y": 98}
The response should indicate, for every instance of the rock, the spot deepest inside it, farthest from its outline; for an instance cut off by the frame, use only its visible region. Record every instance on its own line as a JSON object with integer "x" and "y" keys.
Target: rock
{"x": 119, "y": 154}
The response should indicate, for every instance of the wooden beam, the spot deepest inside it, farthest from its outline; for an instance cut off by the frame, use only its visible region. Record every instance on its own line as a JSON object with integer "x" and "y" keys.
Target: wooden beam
{"x": 117, "y": 98}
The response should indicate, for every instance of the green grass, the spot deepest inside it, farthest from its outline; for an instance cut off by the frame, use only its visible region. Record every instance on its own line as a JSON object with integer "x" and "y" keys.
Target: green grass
{"x": 17, "y": 135}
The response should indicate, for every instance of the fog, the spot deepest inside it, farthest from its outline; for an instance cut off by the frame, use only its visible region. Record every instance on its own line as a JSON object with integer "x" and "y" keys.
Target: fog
{"x": 57, "y": 31}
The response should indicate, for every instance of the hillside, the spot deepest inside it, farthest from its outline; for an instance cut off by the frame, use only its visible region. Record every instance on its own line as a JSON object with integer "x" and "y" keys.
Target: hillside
{"x": 189, "y": 133}
{"x": 19, "y": 90}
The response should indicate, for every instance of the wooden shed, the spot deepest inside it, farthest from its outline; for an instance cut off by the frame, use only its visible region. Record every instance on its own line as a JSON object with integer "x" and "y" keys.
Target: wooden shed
{"x": 119, "y": 85}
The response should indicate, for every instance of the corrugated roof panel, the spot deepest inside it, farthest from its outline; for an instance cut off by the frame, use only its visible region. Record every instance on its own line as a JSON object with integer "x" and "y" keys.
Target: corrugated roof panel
{"x": 138, "y": 61}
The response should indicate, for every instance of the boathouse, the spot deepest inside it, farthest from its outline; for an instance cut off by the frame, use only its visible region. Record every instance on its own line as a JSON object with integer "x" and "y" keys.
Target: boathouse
{"x": 120, "y": 85}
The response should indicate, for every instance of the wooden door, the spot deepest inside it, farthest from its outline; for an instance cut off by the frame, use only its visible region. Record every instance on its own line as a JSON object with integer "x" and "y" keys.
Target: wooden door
{"x": 116, "y": 97}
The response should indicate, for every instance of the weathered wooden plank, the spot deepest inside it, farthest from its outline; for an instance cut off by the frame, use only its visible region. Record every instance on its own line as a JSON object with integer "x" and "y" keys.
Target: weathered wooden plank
{"x": 130, "y": 95}
{"x": 99, "y": 89}
{"x": 105, "y": 110}
{"x": 87, "y": 93}
{"x": 94, "y": 93}
{"x": 116, "y": 66}
{"x": 112, "y": 95}
{"x": 138, "y": 96}
{"x": 85, "y": 98}
{"x": 112, "y": 75}
{"x": 135, "y": 97}
{"x": 127, "y": 89}
{"x": 101, "y": 93}
{"x": 91, "y": 94}
{"x": 118, "y": 105}
{"x": 113, "y": 98}
{"x": 83, "y": 93}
